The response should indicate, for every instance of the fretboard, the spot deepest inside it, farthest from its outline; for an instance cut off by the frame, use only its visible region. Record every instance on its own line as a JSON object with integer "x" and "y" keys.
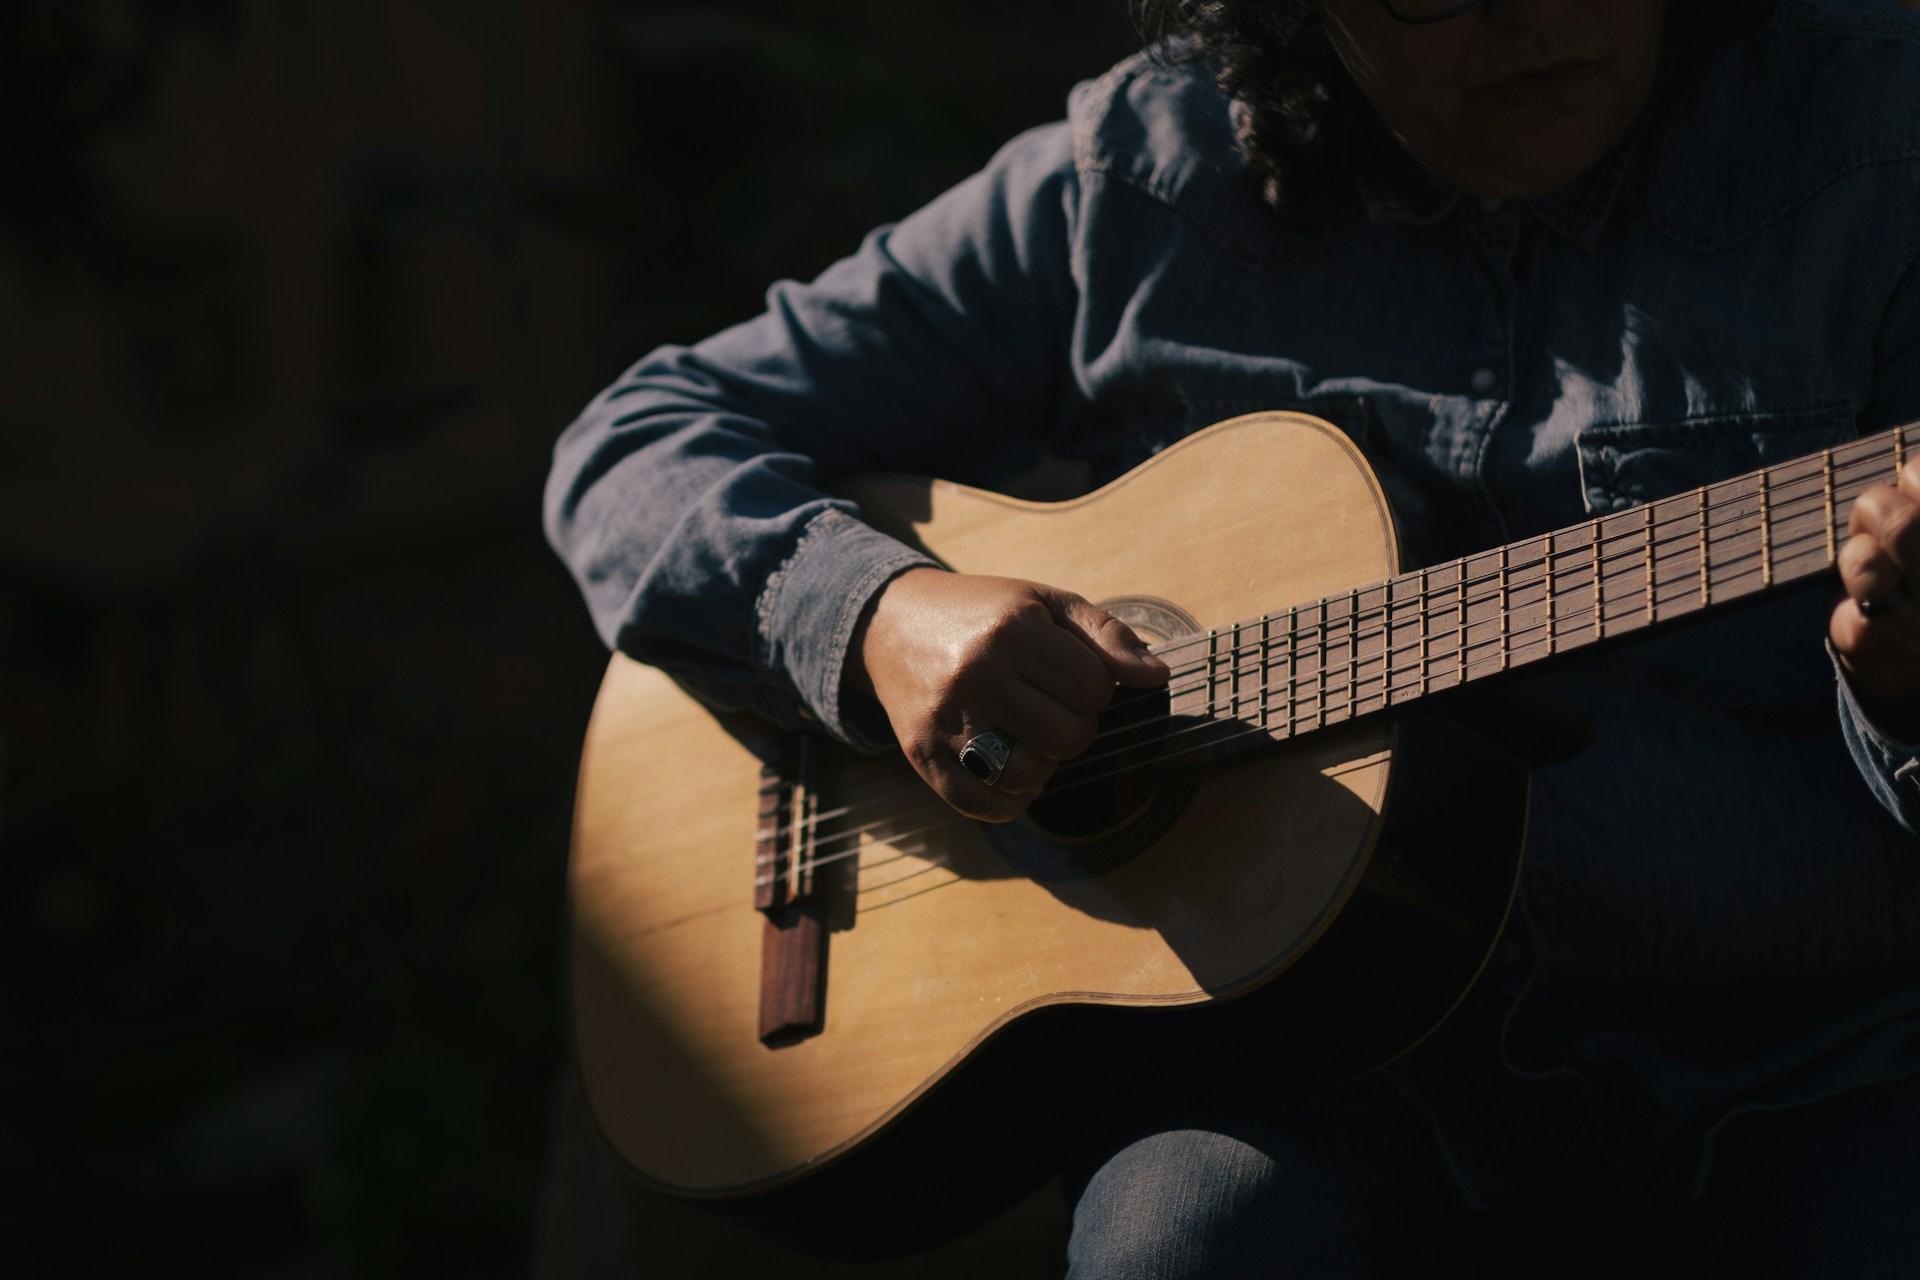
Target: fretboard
{"x": 1332, "y": 660}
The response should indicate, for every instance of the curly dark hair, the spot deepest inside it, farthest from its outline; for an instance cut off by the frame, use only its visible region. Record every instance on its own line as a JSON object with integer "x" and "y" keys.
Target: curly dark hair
{"x": 1292, "y": 100}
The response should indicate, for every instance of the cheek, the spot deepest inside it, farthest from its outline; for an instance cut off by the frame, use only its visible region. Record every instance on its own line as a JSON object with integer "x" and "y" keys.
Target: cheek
{"x": 1412, "y": 75}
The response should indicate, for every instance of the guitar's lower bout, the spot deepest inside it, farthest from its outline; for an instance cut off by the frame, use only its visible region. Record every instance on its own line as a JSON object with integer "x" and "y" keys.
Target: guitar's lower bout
{"x": 1412, "y": 939}
{"x": 982, "y": 988}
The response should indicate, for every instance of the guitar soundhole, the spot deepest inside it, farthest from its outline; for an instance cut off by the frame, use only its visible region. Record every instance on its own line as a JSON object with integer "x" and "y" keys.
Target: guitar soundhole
{"x": 1104, "y": 808}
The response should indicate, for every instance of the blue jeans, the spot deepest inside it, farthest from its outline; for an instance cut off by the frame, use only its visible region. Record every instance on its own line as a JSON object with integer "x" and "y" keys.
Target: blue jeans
{"x": 1237, "y": 1179}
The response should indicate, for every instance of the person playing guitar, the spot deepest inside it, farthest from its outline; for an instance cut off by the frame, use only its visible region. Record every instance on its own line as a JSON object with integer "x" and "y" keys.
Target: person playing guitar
{"x": 1540, "y": 262}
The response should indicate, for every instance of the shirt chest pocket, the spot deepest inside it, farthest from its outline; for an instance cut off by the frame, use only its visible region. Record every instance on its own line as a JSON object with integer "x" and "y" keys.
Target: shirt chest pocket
{"x": 1625, "y": 464}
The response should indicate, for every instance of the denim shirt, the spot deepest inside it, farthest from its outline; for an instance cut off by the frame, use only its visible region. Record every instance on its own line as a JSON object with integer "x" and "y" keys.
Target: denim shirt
{"x": 1721, "y": 907}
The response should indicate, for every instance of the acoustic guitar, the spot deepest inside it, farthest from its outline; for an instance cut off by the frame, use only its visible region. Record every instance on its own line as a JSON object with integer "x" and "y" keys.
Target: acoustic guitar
{"x": 797, "y": 976}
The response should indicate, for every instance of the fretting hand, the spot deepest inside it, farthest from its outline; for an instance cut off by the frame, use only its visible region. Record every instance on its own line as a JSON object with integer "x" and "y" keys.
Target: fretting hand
{"x": 1876, "y": 628}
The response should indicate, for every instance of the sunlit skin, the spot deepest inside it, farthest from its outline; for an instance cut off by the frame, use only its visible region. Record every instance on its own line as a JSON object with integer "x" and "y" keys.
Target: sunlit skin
{"x": 1514, "y": 99}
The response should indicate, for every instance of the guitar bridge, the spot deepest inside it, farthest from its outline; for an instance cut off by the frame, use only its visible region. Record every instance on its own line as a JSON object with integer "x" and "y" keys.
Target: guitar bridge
{"x": 786, "y": 890}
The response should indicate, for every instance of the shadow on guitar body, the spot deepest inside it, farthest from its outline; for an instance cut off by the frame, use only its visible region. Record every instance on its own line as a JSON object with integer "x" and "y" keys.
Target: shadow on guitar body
{"x": 1416, "y": 933}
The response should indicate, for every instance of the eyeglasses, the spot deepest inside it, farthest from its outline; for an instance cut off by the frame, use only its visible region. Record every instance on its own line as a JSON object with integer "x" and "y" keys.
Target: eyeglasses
{"x": 1424, "y": 11}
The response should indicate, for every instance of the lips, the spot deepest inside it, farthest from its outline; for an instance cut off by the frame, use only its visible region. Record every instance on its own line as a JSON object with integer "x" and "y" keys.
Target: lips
{"x": 1558, "y": 84}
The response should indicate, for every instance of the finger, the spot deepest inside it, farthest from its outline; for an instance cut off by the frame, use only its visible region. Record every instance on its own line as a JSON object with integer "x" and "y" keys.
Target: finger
{"x": 1026, "y": 772}
{"x": 1867, "y": 570}
{"x": 1908, "y": 481}
{"x": 1847, "y": 628}
{"x": 1126, "y": 654}
{"x": 1064, "y": 667}
{"x": 1030, "y": 716}
{"x": 1882, "y": 643}
{"x": 1892, "y": 518}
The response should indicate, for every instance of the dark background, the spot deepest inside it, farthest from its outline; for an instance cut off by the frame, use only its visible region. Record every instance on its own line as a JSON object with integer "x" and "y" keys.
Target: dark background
{"x": 296, "y": 297}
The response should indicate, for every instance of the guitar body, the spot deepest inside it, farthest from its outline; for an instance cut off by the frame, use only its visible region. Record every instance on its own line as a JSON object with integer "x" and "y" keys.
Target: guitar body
{"x": 983, "y": 984}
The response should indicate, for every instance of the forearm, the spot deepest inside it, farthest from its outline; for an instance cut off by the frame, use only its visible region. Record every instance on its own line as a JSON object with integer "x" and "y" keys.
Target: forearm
{"x": 703, "y": 547}
{"x": 692, "y": 499}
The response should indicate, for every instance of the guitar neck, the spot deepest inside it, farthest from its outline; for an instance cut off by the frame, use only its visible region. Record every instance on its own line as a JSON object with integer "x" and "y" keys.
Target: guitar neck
{"x": 1333, "y": 660}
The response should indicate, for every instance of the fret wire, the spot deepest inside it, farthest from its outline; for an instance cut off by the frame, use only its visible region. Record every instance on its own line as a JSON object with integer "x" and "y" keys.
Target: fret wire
{"x": 1826, "y": 479}
{"x": 1599, "y": 583}
{"x": 1831, "y": 495}
{"x": 1766, "y": 534}
{"x": 1706, "y": 594}
{"x": 1352, "y": 666}
{"x": 1266, "y": 677}
{"x": 1391, "y": 651}
{"x": 1827, "y": 533}
{"x": 1213, "y": 667}
{"x": 1504, "y": 603}
{"x": 1548, "y": 593}
{"x": 1233, "y": 677}
{"x": 1652, "y": 519}
{"x": 1321, "y": 676}
{"x": 1461, "y": 677}
{"x": 1294, "y": 698}
{"x": 1594, "y": 525}
{"x": 1353, "y": 651}
{"x": 1653, "y": 613}
{"x": 1424, "y": 638}
{"x": 1290, "y": 692}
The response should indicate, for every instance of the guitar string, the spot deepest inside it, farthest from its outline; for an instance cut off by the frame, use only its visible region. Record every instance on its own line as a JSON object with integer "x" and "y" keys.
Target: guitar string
{"x": 931, "y": 803}
{"x": 1337, "y": 637}
{"x": 1874, "y": 460}
{"x": 898, "y": 852}
{"x": 1321, "y": 707}
{"x": 1447, "y": 593}
{"x": 1268, "y": 651}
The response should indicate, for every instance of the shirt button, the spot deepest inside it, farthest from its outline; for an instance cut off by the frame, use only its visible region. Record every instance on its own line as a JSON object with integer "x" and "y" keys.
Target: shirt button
{"x": 1484, "y": 381}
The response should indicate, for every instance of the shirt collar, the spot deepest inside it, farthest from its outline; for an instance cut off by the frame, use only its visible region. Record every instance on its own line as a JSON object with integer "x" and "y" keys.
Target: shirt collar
{"x": 1579, "y": 211}
{"x": 1393, "y": 185}
{"x": 1396, "y": 188}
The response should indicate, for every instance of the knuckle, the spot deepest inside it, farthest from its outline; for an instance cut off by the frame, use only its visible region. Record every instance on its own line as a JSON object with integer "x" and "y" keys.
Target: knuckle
{"x": 1001, "y": 630}
{"x": 1857, "y": 555}
{"x": 1029, "y": 612}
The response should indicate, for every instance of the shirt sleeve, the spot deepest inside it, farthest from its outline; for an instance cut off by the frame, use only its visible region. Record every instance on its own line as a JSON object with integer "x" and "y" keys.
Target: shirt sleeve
{"x": 692, "y": 499}
{"x": 1890, "y": 766}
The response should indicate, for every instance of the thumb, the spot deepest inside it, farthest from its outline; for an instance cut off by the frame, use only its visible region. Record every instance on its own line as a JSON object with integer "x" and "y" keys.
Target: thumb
{"x": 1126, "y": 654}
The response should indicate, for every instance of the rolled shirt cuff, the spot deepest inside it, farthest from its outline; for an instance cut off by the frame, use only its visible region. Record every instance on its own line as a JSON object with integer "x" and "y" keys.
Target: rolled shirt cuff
{"x": 1892, "y": 763}
{"x": 808, "y": 611}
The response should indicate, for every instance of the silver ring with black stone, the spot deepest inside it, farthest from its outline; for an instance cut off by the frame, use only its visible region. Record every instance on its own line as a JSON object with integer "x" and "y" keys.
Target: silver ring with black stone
{"x": 985, "y": 756}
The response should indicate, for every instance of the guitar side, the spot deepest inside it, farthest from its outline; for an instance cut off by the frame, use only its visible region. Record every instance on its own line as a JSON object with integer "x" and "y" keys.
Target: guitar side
{"x": 943, "y": 942}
